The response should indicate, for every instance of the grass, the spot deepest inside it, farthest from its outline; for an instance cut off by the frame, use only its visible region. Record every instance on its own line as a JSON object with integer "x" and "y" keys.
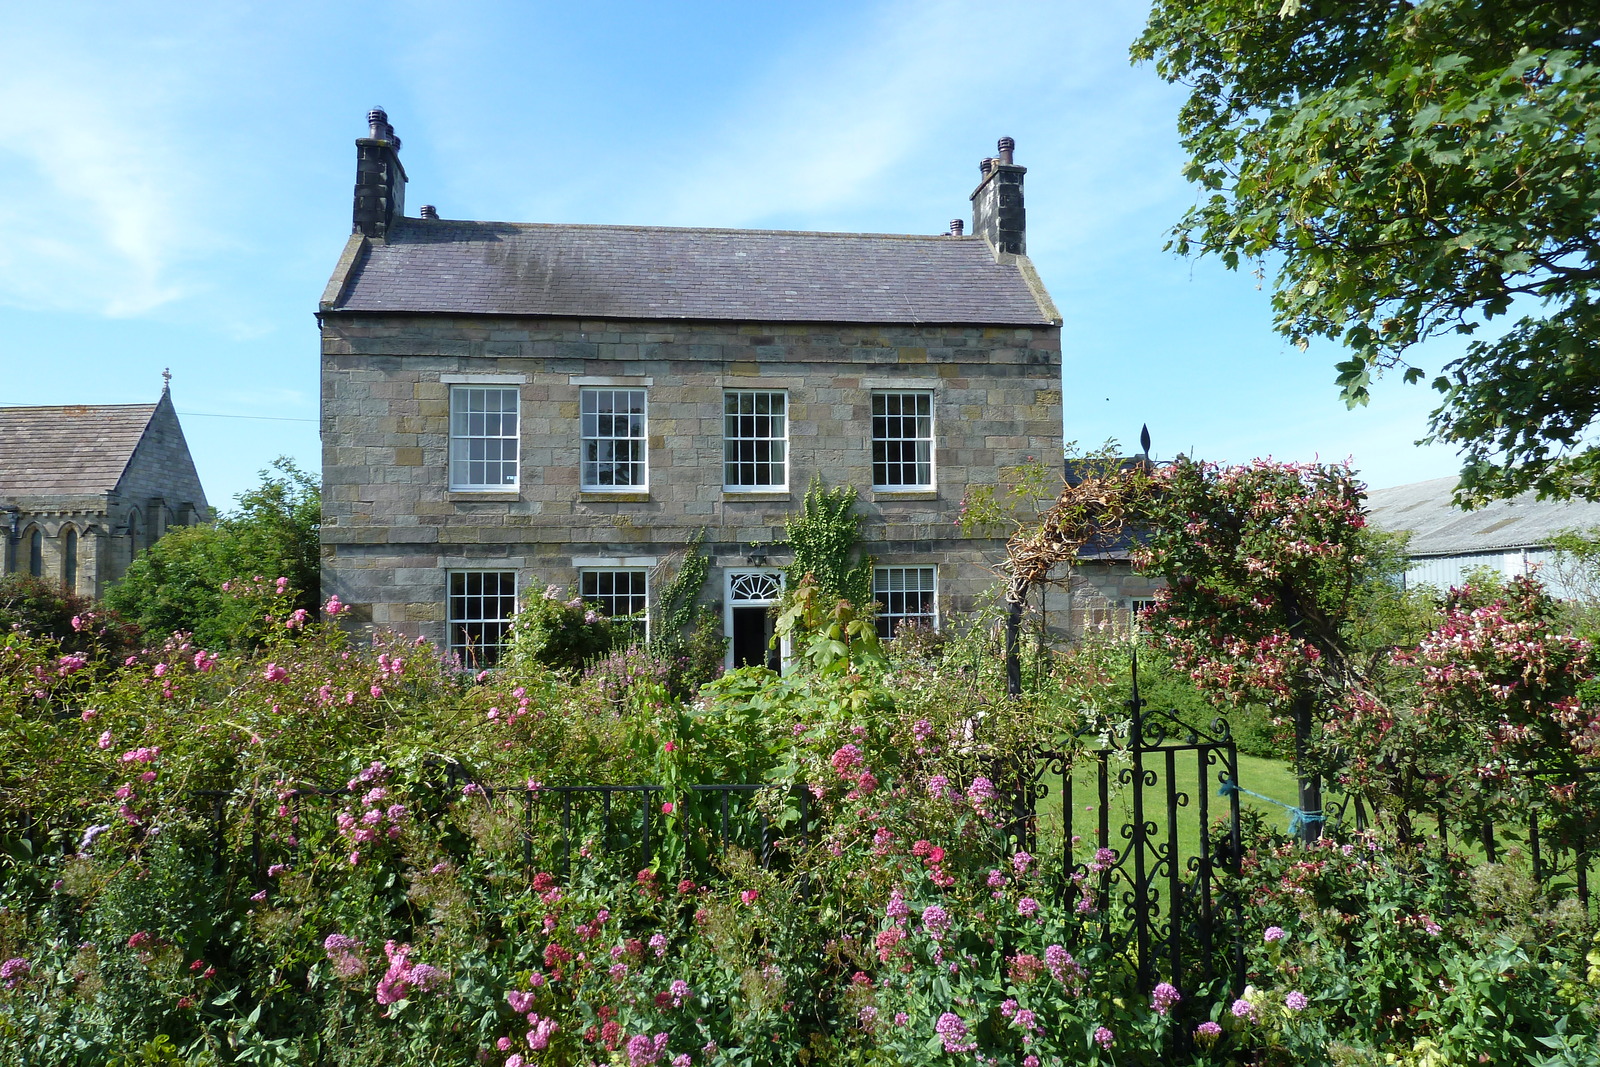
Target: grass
{"x": 1270, "y": 778}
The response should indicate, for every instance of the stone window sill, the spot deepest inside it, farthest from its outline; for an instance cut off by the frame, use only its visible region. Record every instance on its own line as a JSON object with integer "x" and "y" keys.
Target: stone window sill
{"x": 620, "y": 496}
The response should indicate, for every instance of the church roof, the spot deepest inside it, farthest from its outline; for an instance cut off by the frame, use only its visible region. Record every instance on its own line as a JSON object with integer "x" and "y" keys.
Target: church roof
{"x": 1439, "y": 528}
{"x": 68, "y": 449}
{"x": 659, "y": 272}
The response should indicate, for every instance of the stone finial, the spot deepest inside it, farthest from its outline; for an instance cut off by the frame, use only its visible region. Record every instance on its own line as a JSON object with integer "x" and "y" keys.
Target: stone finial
{"x": 1007, "y": 147}
{"x": 429, "y": 211}
{"x": 957, "y": 227}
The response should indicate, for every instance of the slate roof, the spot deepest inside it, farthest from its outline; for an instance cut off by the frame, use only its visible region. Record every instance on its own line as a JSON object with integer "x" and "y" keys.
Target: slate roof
{"x": 72, "y": 449}
{"x": 1439, "y": 529}
{"x": 658, "y": 272}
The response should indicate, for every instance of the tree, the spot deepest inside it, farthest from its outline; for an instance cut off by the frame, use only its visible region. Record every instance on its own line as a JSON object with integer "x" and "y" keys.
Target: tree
{"x": 1413, "y": 169}
{"x": 1262, "y": 562}
{"x": 179, "y": 584}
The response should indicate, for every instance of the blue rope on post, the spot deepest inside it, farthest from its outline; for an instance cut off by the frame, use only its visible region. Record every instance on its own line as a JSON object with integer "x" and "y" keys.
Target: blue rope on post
{"x": 1298, "y": 817}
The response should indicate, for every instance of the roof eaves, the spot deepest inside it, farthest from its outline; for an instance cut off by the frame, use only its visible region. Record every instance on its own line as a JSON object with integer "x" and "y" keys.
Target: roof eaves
{"x": 1041, "y": 295}
{"x": 342, "y": 272}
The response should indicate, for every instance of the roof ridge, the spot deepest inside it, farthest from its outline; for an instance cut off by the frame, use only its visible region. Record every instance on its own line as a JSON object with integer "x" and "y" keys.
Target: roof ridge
{"x": 644, "y": 228}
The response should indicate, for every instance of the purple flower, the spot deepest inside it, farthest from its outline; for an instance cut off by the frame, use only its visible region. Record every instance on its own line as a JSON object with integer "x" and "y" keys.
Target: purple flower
{"x": 1104, "y": 1037}
{"x": 643, "y": 1050}
{"x": 1026, "y": 907}
{"x": 521, "y": 1003}
{"x": 1206, "y": 1034}
{"x": 935, "y": 922}
{"x": 14, "y": 970}
{"x": 1296, "y": 1001}
{"x": 679, "y": 991}
{"x": 1243, "y": 1009}
{"x": 1273, "y": 933}
{"x": 952, "y": 1030}
{"x": 1163, "y": 997}
{"x": 897, "y": 909}
{"x": 1020, "y": 862}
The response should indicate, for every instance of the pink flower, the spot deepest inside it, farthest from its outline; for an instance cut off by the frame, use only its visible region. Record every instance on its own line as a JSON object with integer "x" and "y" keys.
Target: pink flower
{"x": 1243, "y": 1009}
{"x": 845, "y": 759}
{"x": 750, "y": 896}
{"x": 1296, "y": 1001}
{"x": 1020, "y": 862}
{"x": 14, "y": 970}
{"x": 952, "y": 1030}
{"x": 1163, "y": 997}
{"x": 1026, "y": 907}
{"x": 1104, "y": 1037}
{"x": 105, "y": 740}
{"x": 1206, "y": 1034}
{"x": 274, "y": 673}
{"x": 670, "y": 746}
{"x": 666, "y": 808}
{"x": 1273, "y": 933}
{"x": 539, "y": 1036}
{"x": 935, "y": 922}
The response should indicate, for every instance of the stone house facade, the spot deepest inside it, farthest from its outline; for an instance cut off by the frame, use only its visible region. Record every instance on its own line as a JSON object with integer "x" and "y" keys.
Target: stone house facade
{"x": 84, "y": 488}
{"x": 511, "y": 406}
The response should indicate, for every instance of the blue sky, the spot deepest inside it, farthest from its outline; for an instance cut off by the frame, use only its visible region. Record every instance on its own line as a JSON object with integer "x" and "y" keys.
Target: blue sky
{"x": 175, "y": 188}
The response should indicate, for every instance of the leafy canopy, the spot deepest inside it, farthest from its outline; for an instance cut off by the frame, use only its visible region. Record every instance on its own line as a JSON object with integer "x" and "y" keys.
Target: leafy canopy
{"x": 1413, "y": 169}
{"x": 178, "y": 583}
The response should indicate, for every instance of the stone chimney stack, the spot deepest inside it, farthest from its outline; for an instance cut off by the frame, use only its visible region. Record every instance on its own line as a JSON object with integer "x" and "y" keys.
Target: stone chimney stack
{"x": 380, "y": 179}
{"x": 997, "y": 214}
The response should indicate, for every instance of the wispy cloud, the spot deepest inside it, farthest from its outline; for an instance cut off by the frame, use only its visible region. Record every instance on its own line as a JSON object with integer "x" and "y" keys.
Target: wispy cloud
{"x": 100, "y": 201}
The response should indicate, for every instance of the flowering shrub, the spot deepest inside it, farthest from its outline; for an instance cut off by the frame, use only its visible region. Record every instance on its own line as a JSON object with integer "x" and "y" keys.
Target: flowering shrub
{"x": 325, "y": 853}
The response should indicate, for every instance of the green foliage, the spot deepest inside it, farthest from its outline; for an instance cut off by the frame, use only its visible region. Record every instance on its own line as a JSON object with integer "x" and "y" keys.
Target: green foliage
{"x": 550, "y": 633}
{"x": 1412, "y": 170}
{"x": 409, "y": 915}
{"x": 41, "y": 609}
{"x": 685, "y": 635}
{"x": 823, "y": 539}
{"x": 177, "y": 585}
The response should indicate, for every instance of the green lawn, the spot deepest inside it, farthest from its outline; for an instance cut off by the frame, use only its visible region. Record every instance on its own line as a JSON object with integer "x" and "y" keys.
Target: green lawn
{"x": 1271, "y": 778}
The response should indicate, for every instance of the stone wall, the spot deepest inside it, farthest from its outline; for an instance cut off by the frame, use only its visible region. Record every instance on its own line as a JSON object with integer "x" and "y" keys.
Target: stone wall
{"x": 392, "y": 527}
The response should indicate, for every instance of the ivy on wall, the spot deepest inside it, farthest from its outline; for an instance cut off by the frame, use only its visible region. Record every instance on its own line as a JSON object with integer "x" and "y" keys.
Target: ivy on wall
{"x": 823, "y": 538}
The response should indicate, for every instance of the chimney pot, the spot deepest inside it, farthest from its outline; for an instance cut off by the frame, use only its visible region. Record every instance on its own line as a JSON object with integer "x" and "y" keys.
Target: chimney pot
{"x": 997, "y": 210}
{"x": 1007, "y": 147}
{"x": 380, "y": 189}
{"x": 429, "y": 211}
{"x": 985, "y": 165}
{"x": 957, "y": 227}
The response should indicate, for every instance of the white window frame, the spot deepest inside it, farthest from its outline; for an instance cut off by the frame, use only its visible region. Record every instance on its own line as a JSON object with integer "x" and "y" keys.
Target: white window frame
{"x": 462, "y": 438}
{"x": 455, "y": 617}
{"x": 642, "y": 613}
{"x": 882, "y": 486}
{"x": 730, "y": 442}
{"x": 587, "y": 440}
{"x": 890, "y": 614}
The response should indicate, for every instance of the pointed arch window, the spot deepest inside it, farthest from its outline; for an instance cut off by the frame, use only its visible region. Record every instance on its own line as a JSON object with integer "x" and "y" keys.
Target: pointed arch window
{"x": 36, "y": 553}
{"x": 69, "y": 560}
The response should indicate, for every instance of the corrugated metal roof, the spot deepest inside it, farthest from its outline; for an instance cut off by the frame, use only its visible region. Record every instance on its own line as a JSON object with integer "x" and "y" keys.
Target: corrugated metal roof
{"x": 657, "y": 272}
{"x": 1439, "y": 528}
{"x": 73, "y": 448}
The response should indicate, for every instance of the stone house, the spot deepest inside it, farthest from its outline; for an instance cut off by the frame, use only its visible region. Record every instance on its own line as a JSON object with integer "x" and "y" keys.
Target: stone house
{"x": 507, "y": 406}
{"x": 83, "y": 488}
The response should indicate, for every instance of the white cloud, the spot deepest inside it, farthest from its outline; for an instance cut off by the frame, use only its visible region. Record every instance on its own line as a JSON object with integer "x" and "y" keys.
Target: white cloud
{"x": 100, "y": 199}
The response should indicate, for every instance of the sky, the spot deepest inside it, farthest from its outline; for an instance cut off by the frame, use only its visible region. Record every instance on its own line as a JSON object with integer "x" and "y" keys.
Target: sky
{"x": 175, "y": 188}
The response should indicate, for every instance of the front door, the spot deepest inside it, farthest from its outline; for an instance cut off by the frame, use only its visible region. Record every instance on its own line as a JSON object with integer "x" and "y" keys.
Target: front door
{"x": 747, "y": 617}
